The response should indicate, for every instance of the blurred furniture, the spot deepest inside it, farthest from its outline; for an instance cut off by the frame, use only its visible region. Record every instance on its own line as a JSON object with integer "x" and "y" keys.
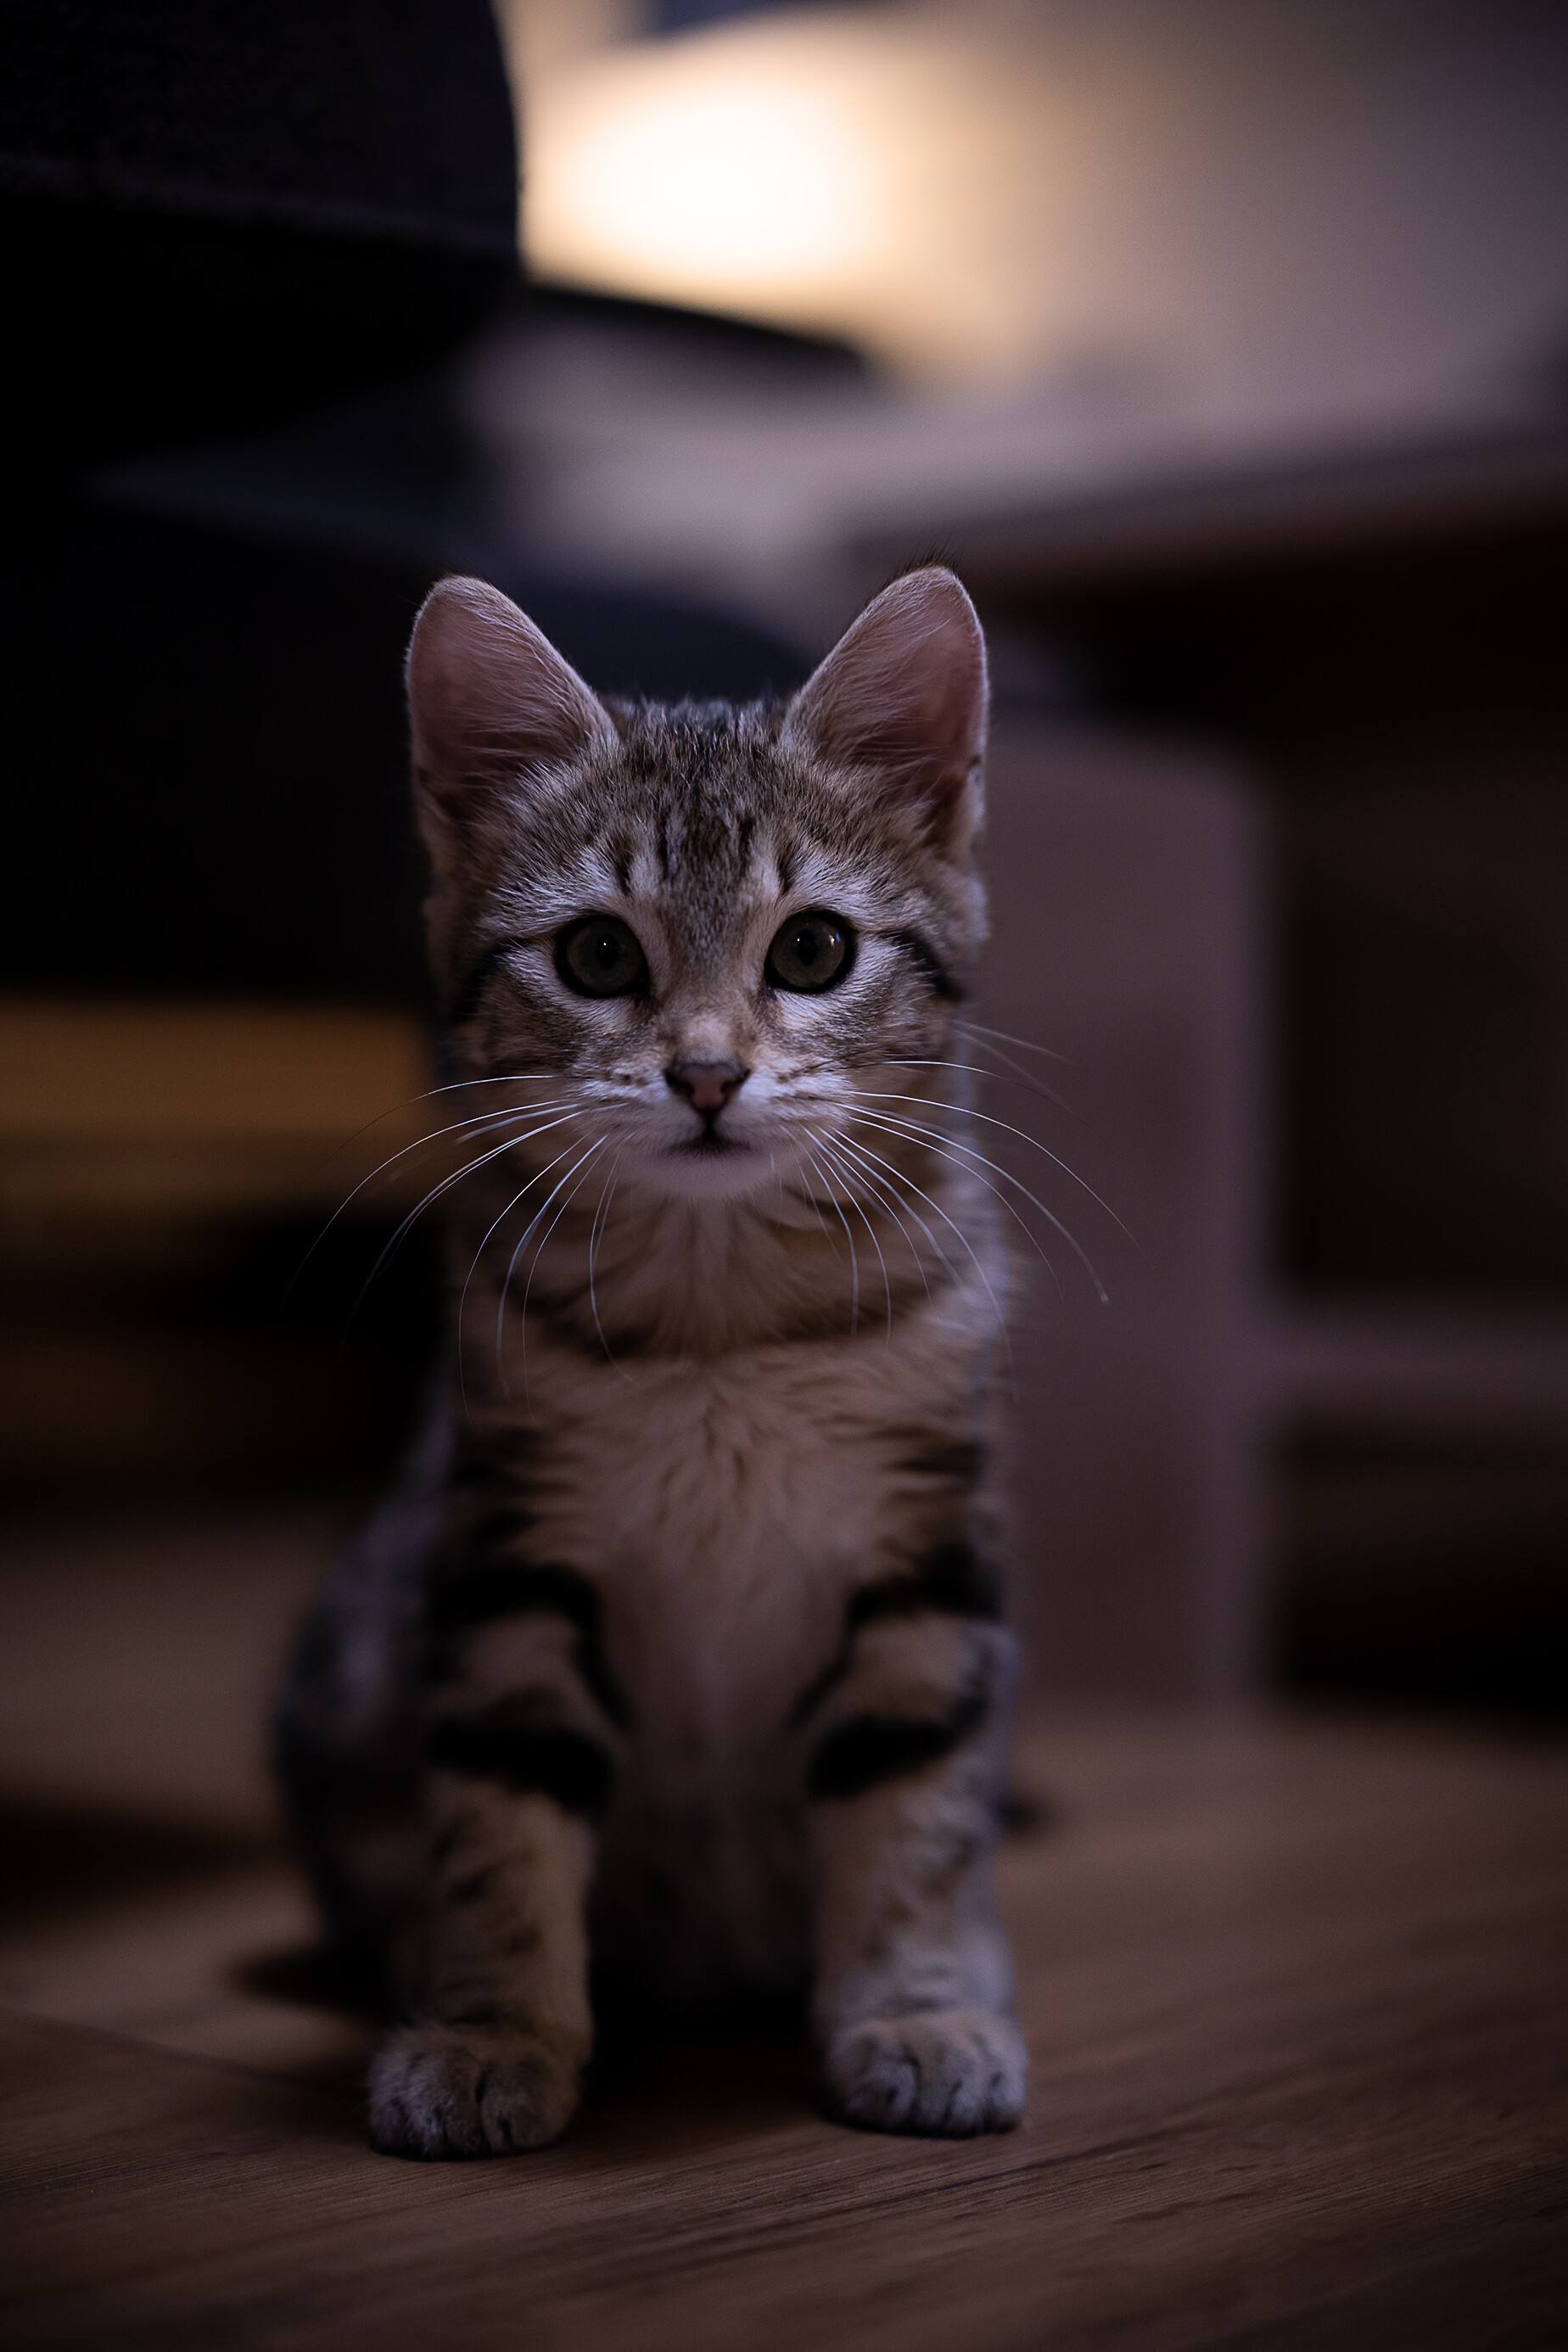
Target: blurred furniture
{"x": 164, "y": 1170}
{"x": 264, "y": 232}
{"x": 211, "y": 218}
{"x": 211, "y": 214}
{"x": 1346, "y": 1147}
{"x": 1128, "y": 893}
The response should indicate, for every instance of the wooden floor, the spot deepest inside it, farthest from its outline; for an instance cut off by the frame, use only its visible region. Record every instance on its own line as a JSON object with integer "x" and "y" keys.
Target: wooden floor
{"x": 1295, "y": 1991}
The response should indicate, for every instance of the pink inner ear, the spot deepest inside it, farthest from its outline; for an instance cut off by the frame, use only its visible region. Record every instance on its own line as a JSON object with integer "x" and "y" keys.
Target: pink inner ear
{"x": 489, "y": 699}
{"x": 903, "y": 691}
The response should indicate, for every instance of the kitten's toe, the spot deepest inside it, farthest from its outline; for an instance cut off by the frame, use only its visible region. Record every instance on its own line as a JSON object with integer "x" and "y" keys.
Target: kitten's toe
{"x": 947, "y": 2072}
{"x": 445, "y": 2090}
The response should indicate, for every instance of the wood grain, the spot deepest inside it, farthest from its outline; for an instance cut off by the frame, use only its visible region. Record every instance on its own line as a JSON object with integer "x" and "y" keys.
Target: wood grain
{"x": 1295, "y": 1994}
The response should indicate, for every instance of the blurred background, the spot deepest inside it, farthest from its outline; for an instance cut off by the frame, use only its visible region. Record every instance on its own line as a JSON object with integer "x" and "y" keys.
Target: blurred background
{"x": 1221, "y": 344}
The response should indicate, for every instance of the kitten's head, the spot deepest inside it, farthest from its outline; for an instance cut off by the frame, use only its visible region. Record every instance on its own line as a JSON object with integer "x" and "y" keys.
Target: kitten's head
{"x": 702, "y": 927}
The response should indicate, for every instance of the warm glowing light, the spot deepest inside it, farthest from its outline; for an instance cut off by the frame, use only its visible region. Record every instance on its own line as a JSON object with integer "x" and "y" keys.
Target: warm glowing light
{"x": 707, "y": 180}
{"x": 874, "y": 173}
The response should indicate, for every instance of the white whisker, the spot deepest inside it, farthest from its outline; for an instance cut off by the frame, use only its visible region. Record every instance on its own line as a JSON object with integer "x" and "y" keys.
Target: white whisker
{"x": 808, "y": 1195}
{"x": 847, "y": 1173}
{"x": 452, "y": 1086}
{"x": 537, "y": 1177}
{"x": 601, "y": 1220}
{"x": 934, "y": 1140}
{"x": 523, "y": 1242}
{"x": 885, "y": 1195}
{"x": 542, "y": 1244}
{"x": 854, "y": 1261}
{"x": 935, "y": 1205}
{"x": 874, "y": 1094}
{"x": 482, "y": 1119}
{"x": 1021, "y": 1077}
{"x": 979, "y": 1029}
{"x": 436, "y": 1190}
{"x": 455, "y": 1086}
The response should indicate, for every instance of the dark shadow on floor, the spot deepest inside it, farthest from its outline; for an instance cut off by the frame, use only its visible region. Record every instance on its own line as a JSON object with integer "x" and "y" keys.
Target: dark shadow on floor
{"x": 67, "y": 1860}
{"x": 318, "y": 1976}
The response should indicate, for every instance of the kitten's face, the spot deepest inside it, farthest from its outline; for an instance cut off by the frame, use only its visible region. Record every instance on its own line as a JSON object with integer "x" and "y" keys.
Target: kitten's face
{"x": 700, "y": 934}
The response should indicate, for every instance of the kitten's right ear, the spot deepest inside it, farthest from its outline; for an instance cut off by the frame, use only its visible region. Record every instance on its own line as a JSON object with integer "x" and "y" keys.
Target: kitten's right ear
{"x": 902, "y": 700}
{"x": 490, "y": 704}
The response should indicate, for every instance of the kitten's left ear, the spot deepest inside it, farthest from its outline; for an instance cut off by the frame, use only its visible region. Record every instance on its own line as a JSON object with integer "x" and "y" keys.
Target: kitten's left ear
{"x": 492, "y": 707}
{"x": 903, "y": 697}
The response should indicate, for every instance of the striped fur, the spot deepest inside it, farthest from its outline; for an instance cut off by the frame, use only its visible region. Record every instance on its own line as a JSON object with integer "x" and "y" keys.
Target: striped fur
{"x": 677, "y": 1660}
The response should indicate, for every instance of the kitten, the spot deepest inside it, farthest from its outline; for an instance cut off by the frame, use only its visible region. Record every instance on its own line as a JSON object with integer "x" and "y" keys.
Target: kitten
{"x": 678, "y": 1657}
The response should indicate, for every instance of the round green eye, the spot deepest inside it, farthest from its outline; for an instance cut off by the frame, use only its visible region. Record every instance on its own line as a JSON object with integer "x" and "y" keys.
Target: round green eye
{"x": 810, "y": 953}
{"x": 600, "y": 957}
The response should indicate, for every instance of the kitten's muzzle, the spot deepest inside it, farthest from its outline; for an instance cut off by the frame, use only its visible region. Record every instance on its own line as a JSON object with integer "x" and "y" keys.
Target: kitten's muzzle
{"x": 707, "y": 1086}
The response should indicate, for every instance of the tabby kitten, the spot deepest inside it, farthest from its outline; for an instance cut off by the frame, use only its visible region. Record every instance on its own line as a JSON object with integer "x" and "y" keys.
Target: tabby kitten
{"x": 676, "y": 1661}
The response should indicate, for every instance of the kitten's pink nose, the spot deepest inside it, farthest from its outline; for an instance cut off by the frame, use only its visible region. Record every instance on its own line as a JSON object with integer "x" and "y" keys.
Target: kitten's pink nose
{"x": 707, "y": 1086}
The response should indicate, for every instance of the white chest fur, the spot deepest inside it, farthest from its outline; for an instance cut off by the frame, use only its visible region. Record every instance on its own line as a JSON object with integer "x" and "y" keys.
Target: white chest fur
{"x": 725, "y": 1509}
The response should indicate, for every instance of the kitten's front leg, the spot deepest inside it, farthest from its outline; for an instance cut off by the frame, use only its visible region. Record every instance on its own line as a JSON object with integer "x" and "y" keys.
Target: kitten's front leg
{"x": 913, "y": 1986}
{"x": 494, "y": 2060}
{"x": 522, "y": 1726}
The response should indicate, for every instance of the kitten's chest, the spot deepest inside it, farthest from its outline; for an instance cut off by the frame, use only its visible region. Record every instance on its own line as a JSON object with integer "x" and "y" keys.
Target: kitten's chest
{"x": 725, "y": 1512}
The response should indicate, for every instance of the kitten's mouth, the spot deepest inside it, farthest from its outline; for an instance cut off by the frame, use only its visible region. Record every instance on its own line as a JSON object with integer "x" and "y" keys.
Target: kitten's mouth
{"x": 712, "y": 1166}
{"x": 709, "y": 1145}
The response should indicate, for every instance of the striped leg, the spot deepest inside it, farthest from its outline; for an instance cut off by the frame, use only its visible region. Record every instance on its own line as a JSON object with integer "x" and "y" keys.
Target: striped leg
{"x": 914, "y": 1979}
{"x": 495, "y": 2063}
{"x": 522, "y": 1727}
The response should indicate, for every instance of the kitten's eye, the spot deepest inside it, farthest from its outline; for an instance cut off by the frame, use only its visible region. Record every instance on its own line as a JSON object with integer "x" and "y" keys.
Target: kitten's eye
{"x": 811, "y": 952}
{"x": 599, "y": 957}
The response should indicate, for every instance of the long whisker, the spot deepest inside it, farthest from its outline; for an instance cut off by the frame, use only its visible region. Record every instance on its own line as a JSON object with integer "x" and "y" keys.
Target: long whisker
{"x": 884, "y": 1195}
{"x": 542, "y": 1245}
{"x": 1032, "y": 1238}
{"x": 490, "y": 1119}
{"x": 935, "y": 1141}
{"x": 522, "y": 1240}
{"x": 435, "y": 1192}
{"x": 847, "y": 1174}
{"x": 808, "y": 1195}
{"x": 524, "y": 1111}
{"x": 984, "y": 1045}
{"x": 601, "y": 1220}
{"x": 452, "y": 1086}
{"x": 1021, "y": 1077}
{"x": 854, "y": 1261}
{"x": 537, "y": 1177}
{"x": 932, "y": 1139}
{"x": 958, "y": 1230}
{"x": 874, "y": 1094}
{"x": 597, "y": 1145}
{"x": 979, "y": 1029}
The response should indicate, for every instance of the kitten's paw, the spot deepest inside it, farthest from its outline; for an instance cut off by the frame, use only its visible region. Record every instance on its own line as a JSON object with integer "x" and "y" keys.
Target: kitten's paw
{"x": 447, "y": 2091}
{"x": 949, "y": 2073}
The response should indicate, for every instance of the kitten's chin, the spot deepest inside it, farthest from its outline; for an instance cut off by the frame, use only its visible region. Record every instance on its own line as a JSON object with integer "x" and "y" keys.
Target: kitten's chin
{"x": 698, "y": 1172}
